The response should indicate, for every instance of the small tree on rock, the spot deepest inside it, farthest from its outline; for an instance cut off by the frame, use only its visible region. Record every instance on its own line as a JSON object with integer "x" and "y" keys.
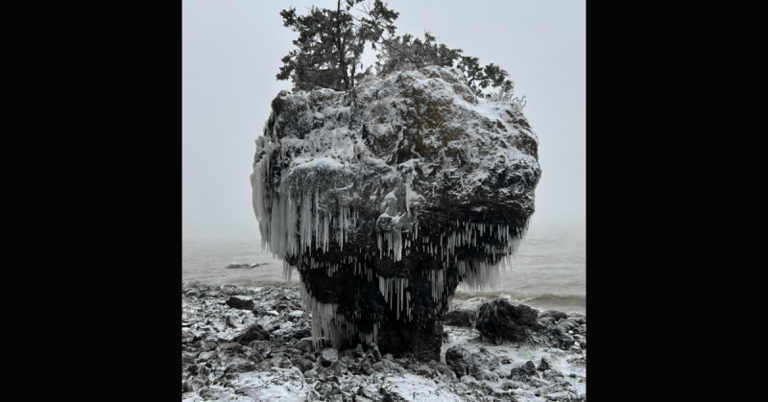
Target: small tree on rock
{"x": 331, "y": 43}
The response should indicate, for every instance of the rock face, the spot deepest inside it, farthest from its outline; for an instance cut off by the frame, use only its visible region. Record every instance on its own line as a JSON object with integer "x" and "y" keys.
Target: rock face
{"x": 387, "y": 196}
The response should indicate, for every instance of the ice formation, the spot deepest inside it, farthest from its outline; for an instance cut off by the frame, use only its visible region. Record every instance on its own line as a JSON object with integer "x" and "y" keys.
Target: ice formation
{"x": 385, "y": 197}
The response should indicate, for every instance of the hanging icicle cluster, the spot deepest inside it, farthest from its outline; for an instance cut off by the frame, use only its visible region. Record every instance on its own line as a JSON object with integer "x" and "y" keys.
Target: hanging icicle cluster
{"x": 329, "y": 324}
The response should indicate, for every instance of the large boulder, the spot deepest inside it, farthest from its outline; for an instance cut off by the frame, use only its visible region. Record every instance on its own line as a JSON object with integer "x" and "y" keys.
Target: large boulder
{"x": 499, "y": 321}
{"x": 387, "y": 196}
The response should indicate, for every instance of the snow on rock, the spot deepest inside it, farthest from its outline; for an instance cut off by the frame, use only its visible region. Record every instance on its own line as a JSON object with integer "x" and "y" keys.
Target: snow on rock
{"x": 499, "y": 321}
{"x": 385, "y": 197}
{"x": 285, "y": 368}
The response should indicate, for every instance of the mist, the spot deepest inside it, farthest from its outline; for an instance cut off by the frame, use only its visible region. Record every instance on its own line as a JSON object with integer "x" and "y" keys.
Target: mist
{"x": 231, "y": 52}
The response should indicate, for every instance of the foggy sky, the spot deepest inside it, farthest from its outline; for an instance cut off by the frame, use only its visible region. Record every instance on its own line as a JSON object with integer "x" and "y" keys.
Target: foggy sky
{"x": 231, "y": 51}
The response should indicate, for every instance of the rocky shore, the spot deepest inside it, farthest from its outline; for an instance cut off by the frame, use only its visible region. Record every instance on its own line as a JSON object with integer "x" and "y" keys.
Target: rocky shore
{"x": 254, "y": 344}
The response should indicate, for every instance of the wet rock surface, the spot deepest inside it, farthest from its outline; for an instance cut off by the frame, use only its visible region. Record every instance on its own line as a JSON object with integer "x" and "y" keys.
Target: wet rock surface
{"x": 220, "y": 363}
{"x": 460, "y": 318}
{"x": 499, "y": 321}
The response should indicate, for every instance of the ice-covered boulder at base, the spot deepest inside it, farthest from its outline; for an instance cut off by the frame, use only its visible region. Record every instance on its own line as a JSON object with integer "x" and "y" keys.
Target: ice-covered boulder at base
{"x": 387, "y": 196}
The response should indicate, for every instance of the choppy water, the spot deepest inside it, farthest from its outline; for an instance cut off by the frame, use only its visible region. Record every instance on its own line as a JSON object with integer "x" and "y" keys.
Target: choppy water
{"x": 550, "y": 271}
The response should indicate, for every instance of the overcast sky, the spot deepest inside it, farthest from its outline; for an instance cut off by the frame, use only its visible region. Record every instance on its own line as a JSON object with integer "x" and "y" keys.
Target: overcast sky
{"x": 231, "y": 51}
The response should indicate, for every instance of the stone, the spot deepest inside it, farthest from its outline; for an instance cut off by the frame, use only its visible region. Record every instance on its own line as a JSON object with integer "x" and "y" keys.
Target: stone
{"x": 323, "y": 388}
{"x": 206, "y": 355}
{"x": 527, "y": 369}
{"x": 544, "y": 364}
{"x": 556, "y": 315}
{"x": 328, "y": 357}
{"x": 499, "y": 321}
{"x": 480, "y": 366}
{"x": 443, "y": 370}
{"x": 329, "y": 373}
{"x": 240, "y": 302}
{"x": 258, "y": 311}
{"x": 207, "y": 345}
{"x": 197, "y": 383}
{"x": 256, "y": 356}
{"x": 304, "y": 345}
{"x": 253, "y": 333}
{"x": 239, "y": 364}
{"x": 359, "y": 350}
{"x": 366, "y": 367}
{"x": 548, "y": 321}
{"x": 458, "y": 359}
{"x": 373, "y": 350}
{"x": 264, "y": 348}
{"x": 354, "y": 368}
{"x": 280, "y": 361}
{"x": 483, "y": 374}
{"x": 300, "y": 333}
{"x": 230, "y": 345}
{"x": 460, "y": 318}
{"x": 422, "y": 370}
{"x": 302, "y": 363}
{"x": 292, "y": 352}
{"x": 192, "y": 293}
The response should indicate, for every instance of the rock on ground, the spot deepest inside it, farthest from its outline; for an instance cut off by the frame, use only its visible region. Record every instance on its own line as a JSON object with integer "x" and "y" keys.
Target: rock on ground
{"x": 218, "y": 367}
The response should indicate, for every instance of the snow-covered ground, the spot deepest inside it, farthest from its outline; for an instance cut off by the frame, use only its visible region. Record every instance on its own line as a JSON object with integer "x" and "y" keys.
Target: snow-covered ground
{"x": 253, "y": 344}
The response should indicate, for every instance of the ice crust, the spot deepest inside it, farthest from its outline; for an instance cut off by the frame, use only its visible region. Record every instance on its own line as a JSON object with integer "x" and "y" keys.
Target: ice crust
{"x": 340, "y": 168}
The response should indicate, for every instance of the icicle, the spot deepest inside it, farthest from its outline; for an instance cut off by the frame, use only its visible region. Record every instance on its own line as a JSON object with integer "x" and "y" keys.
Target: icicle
{"x": 287, "y": 271}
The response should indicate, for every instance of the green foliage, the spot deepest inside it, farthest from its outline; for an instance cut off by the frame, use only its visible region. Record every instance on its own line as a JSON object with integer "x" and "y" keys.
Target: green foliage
{"x": 329, "y": 46}
{"x": 400, "y": 51}
{"x": 478, "y": 78}
{"x": 331, "y": 42}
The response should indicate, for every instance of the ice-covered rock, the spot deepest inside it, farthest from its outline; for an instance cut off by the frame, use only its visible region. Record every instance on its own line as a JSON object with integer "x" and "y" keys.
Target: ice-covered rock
{"x": 328, "y": 357}
{"x": 481, "y": 365}
{"x": 527, "y": 369}
{"x": 385, "y": 197}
